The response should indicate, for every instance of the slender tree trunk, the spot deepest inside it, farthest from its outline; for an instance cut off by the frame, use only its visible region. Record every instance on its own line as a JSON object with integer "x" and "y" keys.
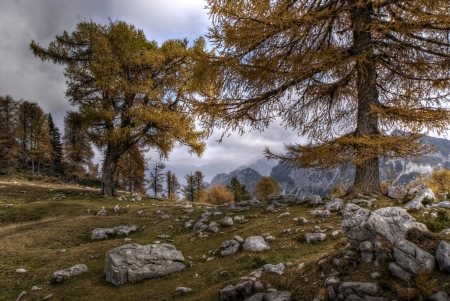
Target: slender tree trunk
{"x": 367, "y": 172}
{"x": 109, "y": 169}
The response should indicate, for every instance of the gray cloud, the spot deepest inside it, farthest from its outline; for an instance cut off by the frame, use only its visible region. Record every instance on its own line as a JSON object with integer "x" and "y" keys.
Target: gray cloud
{"x": 25, "y": 77}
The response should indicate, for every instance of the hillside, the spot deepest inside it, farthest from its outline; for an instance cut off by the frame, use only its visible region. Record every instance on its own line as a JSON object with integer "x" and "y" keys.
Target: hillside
{"x": 49, "y": 226}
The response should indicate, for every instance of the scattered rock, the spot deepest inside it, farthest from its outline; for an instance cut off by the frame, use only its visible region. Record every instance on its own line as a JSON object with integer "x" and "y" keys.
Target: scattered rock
{"x": 226, "y": 222}
{"x": 443, "y": 205}
{"x": 284, "y": 214}
{"x": 443, "y": 256}
{"x": 229, "y": 247}
{"x": 134, "y": 263}
{"x": 278, "y": 296}
{"x": 421, "y": 192}
{"x": 103, "y": 233}
{"x": 284, "y": 200}
{"x": 439, "y": 296}
{"x": 396, "y": 192}
{"x": 375, "y": 275}
{"x": 398, "y": 272}
{"x": 360, "y": 289}
{"x": 117, "y": 209}
{"x": 62, "y": 275}
{"x": 334, "y": 204}
{"x": 21, "y": 271}
{"x": 232, "y": 292}
{"x": 336, "y": 233}
{"x": 314, "y": 200}
{"x": 321, "y": 213}
{"x": 366, "y": 249}
{"x": 183, "y": 290}
{"x": 238, "y": 238}
{"x": 269, "y": 238}
{"x": 390, "y": 223}
{"x": 311, "y": 237}
{"x": 21, "y": 295}
{"x": 255, "y": 244}
{"x": 102, "y": 212}
{"x": 302, "y": 220}
{"x": 258, "y": 286}
{"x": 275, "y": 269}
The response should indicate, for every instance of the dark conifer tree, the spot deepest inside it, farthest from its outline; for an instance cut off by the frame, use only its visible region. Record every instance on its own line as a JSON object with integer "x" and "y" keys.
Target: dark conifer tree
{"x": 56, "y": 145}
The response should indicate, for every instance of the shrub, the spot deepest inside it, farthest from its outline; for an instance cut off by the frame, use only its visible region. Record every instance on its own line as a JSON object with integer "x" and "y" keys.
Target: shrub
{"x": 427, "y": 201}
{"x": 438, "y": 223}
{"x": 219, "y": 194}
{"x": 266, "y": 186}
{"x": 336, "y": 191}
{"x": 384, "y": 186}
{"x": 439, "y": 180}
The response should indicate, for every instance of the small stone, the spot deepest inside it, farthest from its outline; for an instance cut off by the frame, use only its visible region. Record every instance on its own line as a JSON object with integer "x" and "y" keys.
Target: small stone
{"x": 301, "y": 265}
{"x": 238, "y": 238}
{"x": 21, "y": 295}
{"x": 21, "y": 271}
{"x": 375, "y": 275}
{"x": 258, "y": 286}
{"x": 183, "y": 290}
{"x": 311, "y": 237}
{"x": 275, "y": 269}
{"x": 284, "y": 214}
{"x": 48, "y": 297}
{"x": 223, "y": 273}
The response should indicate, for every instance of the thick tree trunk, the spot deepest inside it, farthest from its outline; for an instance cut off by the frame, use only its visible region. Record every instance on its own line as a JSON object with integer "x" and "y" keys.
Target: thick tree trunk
{"x": 367, "y": 172}
{"x": 109, "y": 169}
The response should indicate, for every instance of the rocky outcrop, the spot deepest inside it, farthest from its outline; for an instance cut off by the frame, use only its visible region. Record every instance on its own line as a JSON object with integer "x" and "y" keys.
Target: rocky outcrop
{"x": 103, "y": 233}
{"x": 62, "y": 275}
{"x": 360, "y": 291}
{"x": 390, "y": 223}
{"x": 134, "y": 262}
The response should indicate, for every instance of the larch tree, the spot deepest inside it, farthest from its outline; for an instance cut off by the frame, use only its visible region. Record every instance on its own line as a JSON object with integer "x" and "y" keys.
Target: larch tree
{"x": 266, "y": 186}
{"x": 129, "y": 90}
{"x": 157, "y": 178}
{"x": 189, "y": 190}
{"x": 8, "y": 124}
{"x": 172, "y": 185}
{"x": 362, "y": 79}
{"x": 78, "y": 153}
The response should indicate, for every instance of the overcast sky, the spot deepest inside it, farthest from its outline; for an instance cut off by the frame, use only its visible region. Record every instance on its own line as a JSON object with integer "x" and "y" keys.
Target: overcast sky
{"x": 25, "y": 77}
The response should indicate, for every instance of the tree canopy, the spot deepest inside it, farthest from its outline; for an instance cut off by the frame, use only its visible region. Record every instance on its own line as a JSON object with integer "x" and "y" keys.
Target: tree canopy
{"x": 362, "y": 79}
{"x": 129, "y": 90}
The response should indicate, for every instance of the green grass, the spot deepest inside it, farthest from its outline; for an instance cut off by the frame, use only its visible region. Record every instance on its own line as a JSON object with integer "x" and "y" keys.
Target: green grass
{"x": 35, "y": 230}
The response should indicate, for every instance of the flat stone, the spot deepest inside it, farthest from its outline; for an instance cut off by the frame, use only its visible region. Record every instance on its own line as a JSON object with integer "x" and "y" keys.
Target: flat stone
{"x": 398, "y": 272}
{"x": 359, "y": 289}
{"x": 134, "y": 263}
{"x": 103, "y": 233}
{"x": 183, "y": 290}
{"x": 411, "y": 258}
{"x": 278, "y": 296}
{"x": 395, "y": 192}
{"x": 274, "y": 269}
{"x": 311, "y": 237}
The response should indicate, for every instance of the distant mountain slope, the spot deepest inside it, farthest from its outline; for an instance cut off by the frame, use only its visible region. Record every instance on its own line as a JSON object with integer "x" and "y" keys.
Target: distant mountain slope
{"x": 306, "y": 181}
{"x": 246, "y": 176}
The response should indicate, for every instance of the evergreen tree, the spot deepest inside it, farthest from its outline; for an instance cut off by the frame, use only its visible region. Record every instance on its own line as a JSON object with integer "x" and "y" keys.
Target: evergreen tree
{"x": 173, "y": 187}
{"x": 266, "y": 186}
{"x": 345, "y": 73}
{"x": 189, "y": 190}
{"x": 56, "y": 145}
{"x": 239, "y": 190}
{"x": 77, "y": 149}
{"x": 129, "y": 90}
{"x": 8, "y": 123}
{"x": 157, "y": 178}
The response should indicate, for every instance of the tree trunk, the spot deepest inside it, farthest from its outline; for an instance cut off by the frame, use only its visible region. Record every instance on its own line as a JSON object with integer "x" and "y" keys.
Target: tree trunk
{"x": 109, "y": 169}
{"x": 367, "y": 178}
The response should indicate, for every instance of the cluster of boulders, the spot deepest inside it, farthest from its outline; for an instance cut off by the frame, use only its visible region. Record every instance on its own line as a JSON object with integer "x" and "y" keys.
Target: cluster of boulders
{"x": 62, "y": 275}
{"x": 252, "y": 244}
{"x": 103, "y": 233}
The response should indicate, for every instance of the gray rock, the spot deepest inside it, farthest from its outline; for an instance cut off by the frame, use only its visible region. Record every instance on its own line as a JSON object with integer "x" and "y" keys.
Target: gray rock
{"x": 232, "y": 292}
{"x": 238, "y": 238}
{"x": 315, "y": 200}
{"x": 390, "y": 223}
{"x": 336, "y": 233}
{"x": 443, "y": 256}
{"x": 255, "y": 244}
{"x": 331, "y": 293}
{"x": 229, "y": 247}
{"x": 103, "y": 233}
{"x": 258, "y": 286}
{"x": 366, "y": 203}
{"x": 411, "y": 258}
{"x": 421, "y": 192}
{"x": 226, "y": 222}
{"x": 212, "y": 228}
{"x": 302, "y": 220}
{"x": 63, "y": 275}
{"x": 22, "y": 294}
{"x": 395, "y": 192}
{"x": 439, "y": 296}
{"x": 284, "y": 214}
{"x": 256, "y": 297}
{"x": 134, "y": 263}
{"x": 278, "y": 296}
{"x": 334, "y": 204}
{"x": 102, "y": 212}
{"x": 311, "y": 237}
{"x": 443, "y": 205}
{"x": 398, "y": 272}
{"x": 183, "y": 290}
{"x": 188, "y": 225}
{"x": 274, "y": 269}
{"x": 366, "y": 249}
{"x": 359, "y": 289}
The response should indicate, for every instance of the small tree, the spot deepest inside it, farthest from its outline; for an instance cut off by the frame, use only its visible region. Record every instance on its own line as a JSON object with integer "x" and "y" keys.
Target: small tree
{"x": 239, "y": 190}
{"x": 219, "y": 194}
{"x": 266, "y": 186}
{"x": 173, "y": 187}
{"x": 189, "y": 190}
{"x": 200, "y": 193}
{"x": 157, "y": 178}
{"x": 55, "y": 136}
{"x": 131, "y": 171}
